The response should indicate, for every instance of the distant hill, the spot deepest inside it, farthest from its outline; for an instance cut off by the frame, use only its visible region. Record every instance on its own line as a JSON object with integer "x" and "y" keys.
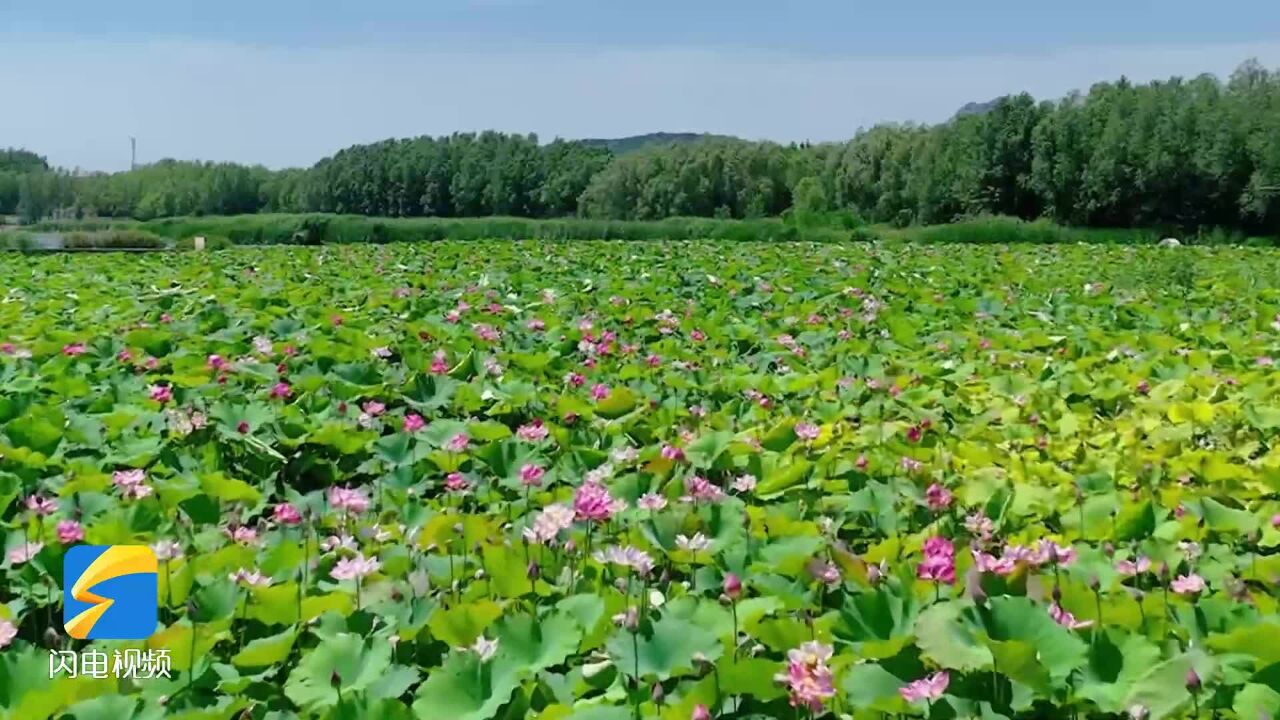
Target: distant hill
{"x": 622, "y": 146}
{"x": 977, "y": 108}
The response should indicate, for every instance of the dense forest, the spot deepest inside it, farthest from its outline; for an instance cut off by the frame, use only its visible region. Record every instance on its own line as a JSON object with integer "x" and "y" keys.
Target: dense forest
{"x": 1178, "y": 153}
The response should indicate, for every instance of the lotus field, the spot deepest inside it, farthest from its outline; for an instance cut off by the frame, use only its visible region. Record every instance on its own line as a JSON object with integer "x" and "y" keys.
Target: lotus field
{"x": 599, "y": 481}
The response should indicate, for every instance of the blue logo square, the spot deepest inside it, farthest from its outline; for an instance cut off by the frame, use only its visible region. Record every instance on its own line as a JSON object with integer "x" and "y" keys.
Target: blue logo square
{"x": 110, "y": 592}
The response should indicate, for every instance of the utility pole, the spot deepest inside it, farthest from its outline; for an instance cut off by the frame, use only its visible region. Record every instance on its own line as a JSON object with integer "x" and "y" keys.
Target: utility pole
{"x": 133, "y": 152}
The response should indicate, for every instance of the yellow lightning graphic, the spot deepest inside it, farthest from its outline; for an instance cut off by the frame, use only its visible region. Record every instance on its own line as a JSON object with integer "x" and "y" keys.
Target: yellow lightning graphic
{"x": 117, "y": 561}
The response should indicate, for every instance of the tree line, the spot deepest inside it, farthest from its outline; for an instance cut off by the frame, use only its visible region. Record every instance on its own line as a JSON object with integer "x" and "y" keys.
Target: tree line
{"x": 1180, "y": 153}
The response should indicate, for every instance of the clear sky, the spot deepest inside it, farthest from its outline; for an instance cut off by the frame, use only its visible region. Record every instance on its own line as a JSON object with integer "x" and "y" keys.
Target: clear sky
{"x": 286, "y": 82}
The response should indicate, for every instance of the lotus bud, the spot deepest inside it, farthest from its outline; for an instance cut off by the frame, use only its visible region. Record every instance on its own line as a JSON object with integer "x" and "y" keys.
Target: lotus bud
{"x": 700, "y": 712}
{"x": 533, "y": 571}
{"x": 335, "y": 679}
{"x": 1057, "y": 593}
{"x": 1164, "y": 571}
{"x": 51, "y": 637}
{"x": 620, "y": 584}
{"x": 658, "y": 694}
{"x": 1193, "y": 680}
{"x": 1094, "y": 583}
{"x": 732, "y": 586}
{"x": 1109, "y": 549}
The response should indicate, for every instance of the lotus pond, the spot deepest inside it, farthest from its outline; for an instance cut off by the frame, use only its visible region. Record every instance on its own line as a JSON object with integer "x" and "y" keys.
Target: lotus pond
{"x": 599, "y": 481}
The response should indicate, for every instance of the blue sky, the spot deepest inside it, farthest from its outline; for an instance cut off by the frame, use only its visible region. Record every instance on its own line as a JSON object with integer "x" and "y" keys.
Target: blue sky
{"x": 285, "y": 82}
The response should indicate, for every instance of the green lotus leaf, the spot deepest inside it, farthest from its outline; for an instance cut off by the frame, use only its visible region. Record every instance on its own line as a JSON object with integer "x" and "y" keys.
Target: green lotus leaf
{"x": 663, "y": 649}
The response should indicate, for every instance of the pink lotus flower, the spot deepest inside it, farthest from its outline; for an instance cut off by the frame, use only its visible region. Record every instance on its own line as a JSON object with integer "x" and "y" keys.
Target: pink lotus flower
{"x": 8, "y": 631}
{"x": 807, "y": 677}
{"x": 128, "y": 479}
{"x": 69, "y": 531}
{"x": 698, "y": 488}
{"x": 1048, "y": 552}
{"x": 456, "y": 482}
{"x": 341, "y": 541}
{"x": 1137, "y": 566}
{"x": 24, "y": 552}
{"x": 700, "y": 712}
{"x": 166, "y": 549}
{"x": 249, "y": 578}
{"x": 355, "y": 568}
{"x": 928, "y": 688}
{"x": 241, "y": 534}
{"x": 413, "y": 422}
{"x": 939, "y": 564}
{"x": 911, "y": 465}
{"x": 286, "y": 514}
{"x": 1275, "y": 521}
{"x": 439, "y": 365}
{"x": 458, "y": 443}
{"x": 532, "y": 432}
{"x": 824, "y": 572}
{"x": 336, "y": 320}
{"x": 531, "y": 475}
{"x": 216, "y": 362}
{"x": 281, "y": 390}
{"x": 745, "y": 483}
{"x": 536, "y": 325}
{"x": 41, "y": 505}
{"x": 593, "y": 502}
{"x": 671, "y": 452}
{"x": 979, "y": 525}
{"x": 124, "y": 356}
{"x": 1064, "y": 618}
{"x": 73, "y": 349}
{"x": 575, "y": 379}
{"x": 807, "y": 431}
{"x": 550, "y": 521}
{"x": 161, "y": 393}
{"x": 937, "y": 497}
{"x": 991, "y": 564}
{"x": 485, "y": 332}
{"x": 599, "y": 391}
{"x": 1191, "y": 584}
{"x": 347, "y": 499}
{"x": 626, "y": 556}
{"x": 653, "y": 360}
{"x": 651, "y": 502}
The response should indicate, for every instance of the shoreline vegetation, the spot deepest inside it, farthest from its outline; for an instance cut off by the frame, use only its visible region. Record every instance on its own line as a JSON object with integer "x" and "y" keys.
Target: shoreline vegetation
{"x": 320, "y": 229}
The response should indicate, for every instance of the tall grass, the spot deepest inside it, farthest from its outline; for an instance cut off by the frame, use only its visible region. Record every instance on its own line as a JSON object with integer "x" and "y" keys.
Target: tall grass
{"x": 1006, "y": 230}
